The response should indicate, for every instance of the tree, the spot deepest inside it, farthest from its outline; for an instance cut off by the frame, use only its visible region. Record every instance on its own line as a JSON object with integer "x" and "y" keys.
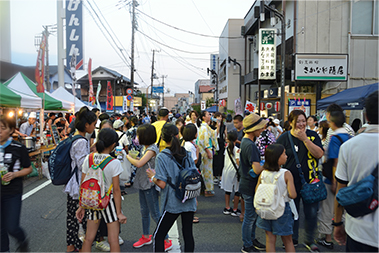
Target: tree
{"x": 209, "y": 102}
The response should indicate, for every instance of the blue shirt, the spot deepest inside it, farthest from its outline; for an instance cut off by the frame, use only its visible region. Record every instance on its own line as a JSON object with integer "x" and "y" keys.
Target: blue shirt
{"x": 165, "y": 167}
{"x": 26, "y": 128}
{"x": 335, "y": 144}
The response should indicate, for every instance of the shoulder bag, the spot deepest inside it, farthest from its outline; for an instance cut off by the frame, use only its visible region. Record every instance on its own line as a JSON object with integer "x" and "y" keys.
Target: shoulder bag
{"x": 313, "y": 192}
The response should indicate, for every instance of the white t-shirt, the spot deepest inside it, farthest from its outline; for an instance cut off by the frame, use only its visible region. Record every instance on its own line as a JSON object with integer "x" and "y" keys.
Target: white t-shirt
{"x": 357, "y": 158}
{"x": 113, "y": 169}
{"x": 229, "y": 173}
{"x": 191, "y": 148}
{"x": 124, "y": 139}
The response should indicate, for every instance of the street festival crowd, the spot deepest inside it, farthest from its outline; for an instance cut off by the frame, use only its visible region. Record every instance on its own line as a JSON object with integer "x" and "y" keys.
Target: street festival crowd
{"x": 238, "y": 153}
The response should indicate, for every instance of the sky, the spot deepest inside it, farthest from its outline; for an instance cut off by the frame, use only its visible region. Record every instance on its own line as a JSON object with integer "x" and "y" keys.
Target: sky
{"x": 182, "y": 57}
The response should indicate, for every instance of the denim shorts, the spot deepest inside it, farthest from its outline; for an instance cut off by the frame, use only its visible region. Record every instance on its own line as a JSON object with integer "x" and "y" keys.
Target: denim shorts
{"x": 282, "y": 226}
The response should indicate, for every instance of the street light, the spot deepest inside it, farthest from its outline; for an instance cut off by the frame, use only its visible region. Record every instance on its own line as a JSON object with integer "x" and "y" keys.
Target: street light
{"x": 234, "y": 65}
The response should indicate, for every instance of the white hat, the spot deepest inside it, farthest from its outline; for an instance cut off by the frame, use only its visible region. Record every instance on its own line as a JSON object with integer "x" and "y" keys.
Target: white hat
{"x": 276, "y": 121}
{"x": 117, "y": 124}
{"x": 32, "y": 115}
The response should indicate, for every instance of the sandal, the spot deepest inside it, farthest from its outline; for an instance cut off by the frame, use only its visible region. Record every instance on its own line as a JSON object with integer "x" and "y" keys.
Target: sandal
{"x": 128, "y": 185}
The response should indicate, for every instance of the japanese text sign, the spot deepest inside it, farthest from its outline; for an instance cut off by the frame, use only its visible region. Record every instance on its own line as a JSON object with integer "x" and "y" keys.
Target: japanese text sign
{"x": 304, "y": 105}
{"x": 267, "y": 54}
{"x": 74, "y": 32}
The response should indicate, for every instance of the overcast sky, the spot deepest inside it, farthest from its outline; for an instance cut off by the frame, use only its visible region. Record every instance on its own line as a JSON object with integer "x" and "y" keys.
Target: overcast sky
{"x": 183, "y": 57}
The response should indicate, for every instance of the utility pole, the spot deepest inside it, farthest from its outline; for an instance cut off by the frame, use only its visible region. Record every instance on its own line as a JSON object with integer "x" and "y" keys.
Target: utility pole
{"x": 61, "y": 51}
{"x": 152, "y": 79}
{"x": 163, "y": 77}
{"x": 134, "y": 24}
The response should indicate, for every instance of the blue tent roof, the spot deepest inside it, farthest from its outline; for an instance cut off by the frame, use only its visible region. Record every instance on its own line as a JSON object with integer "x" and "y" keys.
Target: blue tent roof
{"x": 212, "y": 109}
{"x": 349, "y": 99}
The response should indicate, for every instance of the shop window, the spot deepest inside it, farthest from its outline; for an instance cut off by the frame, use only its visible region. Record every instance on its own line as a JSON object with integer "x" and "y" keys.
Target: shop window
{"x": 365, "y": 17}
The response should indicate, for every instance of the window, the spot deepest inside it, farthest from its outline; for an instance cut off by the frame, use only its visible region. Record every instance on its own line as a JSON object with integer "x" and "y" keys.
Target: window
{"x": 365, "y": 17}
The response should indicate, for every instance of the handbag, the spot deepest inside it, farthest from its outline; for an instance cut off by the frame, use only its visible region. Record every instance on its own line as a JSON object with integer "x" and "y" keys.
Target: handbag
{"x": 313, "y": 192}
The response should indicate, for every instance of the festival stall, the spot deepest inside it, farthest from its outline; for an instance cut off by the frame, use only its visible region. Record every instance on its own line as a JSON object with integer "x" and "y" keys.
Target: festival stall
{"x": 13, "y": 99}
{"x": 62, "y": 93}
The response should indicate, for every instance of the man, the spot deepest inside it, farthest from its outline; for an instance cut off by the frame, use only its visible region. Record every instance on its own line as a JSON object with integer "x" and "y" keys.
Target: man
{"x": 27, "y": 128}
{"x": 250, "y": 159}
{"x": 237, "y": 122}
{"x": 326, "y": 208}
{"x": 97, "y": 112}
{"x": 329, "y": 109}
{"x": 162, "y": 119}
{"x": 357, "y": 159}
{"x": 278, "y": 128}
{"x": 146, "y": 119}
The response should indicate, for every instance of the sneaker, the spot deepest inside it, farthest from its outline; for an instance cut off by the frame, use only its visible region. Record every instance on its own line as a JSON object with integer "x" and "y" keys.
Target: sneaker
{"x": 103, "y": 246}
{"x": 168, "y": 245}
{"x": 323, "y": 242}
{"x": 228, "y": 211}
{"x": 248, "y": 249}
{"x": 295, "y": 243}
{"x": 120, "y": 241}
{"x": 23, "y": 246}
{"x": 236, "y": 213}
{"x": 258, "y": 245}
{"x": 142, "y": 242}
{"x": 311, "y": 247}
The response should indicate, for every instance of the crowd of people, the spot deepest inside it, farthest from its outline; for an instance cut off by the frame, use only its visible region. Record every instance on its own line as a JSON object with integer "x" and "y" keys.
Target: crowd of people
{"x": 236, "y": 154}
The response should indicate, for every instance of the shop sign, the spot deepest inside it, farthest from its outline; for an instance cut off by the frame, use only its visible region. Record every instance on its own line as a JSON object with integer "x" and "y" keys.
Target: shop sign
{"x": 267, "y": 54}
{"x": 268, "y": 106}
{"x": 304, "y": 105}
{"x": 277, "y": 106}
{"x": 321, "y": 67}
{"x": 74, "y": 32}
{"x": 203, "y": 105}
{"x": 273, "y": 92}
{"x": 262, "y": 106}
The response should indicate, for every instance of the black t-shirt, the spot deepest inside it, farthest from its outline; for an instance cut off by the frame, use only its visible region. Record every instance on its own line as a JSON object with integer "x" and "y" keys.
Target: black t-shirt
{"x": 16, "y": 157}
{"x": 307, "y": 161}
{"x": 249, "y": 153}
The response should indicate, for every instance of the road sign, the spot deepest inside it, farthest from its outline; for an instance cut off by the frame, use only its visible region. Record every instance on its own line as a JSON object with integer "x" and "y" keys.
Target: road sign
{"x": 158, "y": 89}
{"x": 203, "y": 105}
{"x": 129, "y": 91}
{"x": 129, "y": 97}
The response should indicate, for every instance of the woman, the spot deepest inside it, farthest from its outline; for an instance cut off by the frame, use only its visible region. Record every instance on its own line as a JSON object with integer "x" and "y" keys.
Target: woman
{"x": 207, "y": 142}
{"x": 172, "y": 206}
{"x": 179, "y": 123}
{"x": 218, "y": 159}
{"x": 309, "y": 150}
{"x": 15, "y": 158}
{"x": 266, "y": 138}
{"x": 84, "y": 123}
{"x": 229, "y": 123}
{"x": 131, "y": 135}
{"x": 193, "y": 117}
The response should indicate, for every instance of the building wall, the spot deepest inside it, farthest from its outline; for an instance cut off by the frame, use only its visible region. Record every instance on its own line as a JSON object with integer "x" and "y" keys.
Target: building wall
{"x": 198, "y": 83}
{"x": 5, "y": 31}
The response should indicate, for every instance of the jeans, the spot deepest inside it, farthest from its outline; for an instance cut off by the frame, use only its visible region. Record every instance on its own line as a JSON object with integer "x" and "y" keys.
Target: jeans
{"x": 249, "y": 221}
{"x": 165, "y": 223}
{"x": 10, "y": 220}
{"x": 149, "y": 204}
{"x": 310, "y": 213}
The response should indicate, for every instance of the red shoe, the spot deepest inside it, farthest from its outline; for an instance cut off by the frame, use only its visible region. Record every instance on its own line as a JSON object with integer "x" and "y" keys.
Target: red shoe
{"x": 167, "y": 245}
{"x": 142, "y": 242}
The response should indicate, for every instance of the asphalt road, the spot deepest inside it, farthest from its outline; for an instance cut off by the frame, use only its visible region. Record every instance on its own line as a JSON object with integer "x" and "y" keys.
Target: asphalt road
{"x": 44, "y": 219}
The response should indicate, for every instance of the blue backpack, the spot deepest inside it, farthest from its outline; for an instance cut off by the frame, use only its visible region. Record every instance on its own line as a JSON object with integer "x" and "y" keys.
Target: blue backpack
{"x": 360, "y": 198}
{"x": 60, "y": 161}
{"x": 188, "y": 183}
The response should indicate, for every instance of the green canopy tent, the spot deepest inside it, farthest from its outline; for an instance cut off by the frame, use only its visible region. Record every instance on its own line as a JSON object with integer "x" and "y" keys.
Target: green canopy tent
{"x": 8, "y": 98}
{"x": 20, "y": 83}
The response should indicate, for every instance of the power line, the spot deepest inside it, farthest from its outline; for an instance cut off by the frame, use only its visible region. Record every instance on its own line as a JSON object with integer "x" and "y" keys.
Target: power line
{"x": 199, "y": 34}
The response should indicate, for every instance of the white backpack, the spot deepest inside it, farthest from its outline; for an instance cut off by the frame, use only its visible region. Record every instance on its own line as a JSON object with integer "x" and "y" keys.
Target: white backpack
{"x": 268, "y": 202}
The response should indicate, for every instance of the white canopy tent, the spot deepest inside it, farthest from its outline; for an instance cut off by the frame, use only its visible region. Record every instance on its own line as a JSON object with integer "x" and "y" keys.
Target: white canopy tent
{"x": 62, "y": 93}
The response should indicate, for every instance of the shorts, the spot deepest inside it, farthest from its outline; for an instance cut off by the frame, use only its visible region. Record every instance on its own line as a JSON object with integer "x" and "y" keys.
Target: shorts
{"x": 109, "y": 214}
{"x": 282, "y": 226}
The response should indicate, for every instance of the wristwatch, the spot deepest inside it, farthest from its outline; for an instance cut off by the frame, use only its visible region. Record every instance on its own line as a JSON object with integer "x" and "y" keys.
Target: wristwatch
{"x": 337, "y": 224}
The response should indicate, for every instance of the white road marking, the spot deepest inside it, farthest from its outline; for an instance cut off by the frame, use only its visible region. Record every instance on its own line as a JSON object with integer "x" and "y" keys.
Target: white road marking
{"x": 173, "y": 235}
{"x": 31, "y": 192}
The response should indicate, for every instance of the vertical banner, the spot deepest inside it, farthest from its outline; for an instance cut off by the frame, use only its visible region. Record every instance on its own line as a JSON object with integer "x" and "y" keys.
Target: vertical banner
{"x": 124, "y": 104}
{"x": 91, "y": 98}
{"x": 238, "y": 106}
{"x": 267, "y": 54}
{"x": 97, "y": 96}
{"x": 203, "y": 105}
{"x": 74, "y": 32}
{"x": 109, "y": 97}
{"x": 40, "y": 66}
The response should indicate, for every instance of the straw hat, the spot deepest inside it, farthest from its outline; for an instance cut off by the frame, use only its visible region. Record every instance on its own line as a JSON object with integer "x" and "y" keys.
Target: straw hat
{"x": 253, "y": 122}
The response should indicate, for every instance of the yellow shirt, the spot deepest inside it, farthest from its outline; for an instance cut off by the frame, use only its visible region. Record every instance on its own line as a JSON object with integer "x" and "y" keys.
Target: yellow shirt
{"x": 158, "y": 128}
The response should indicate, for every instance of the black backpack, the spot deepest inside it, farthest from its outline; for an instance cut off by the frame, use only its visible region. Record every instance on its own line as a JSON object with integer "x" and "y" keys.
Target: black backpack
{"x": 188, "y": 183}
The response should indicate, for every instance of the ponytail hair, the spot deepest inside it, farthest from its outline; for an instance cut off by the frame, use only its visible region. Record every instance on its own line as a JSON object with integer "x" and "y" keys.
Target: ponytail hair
{"x": 106, "y": 138}
{"x": 85, "y": 116}
{"x": 232, "y": 137}
{"x": 169, "y": 133}
{"x": 200, "y": 118}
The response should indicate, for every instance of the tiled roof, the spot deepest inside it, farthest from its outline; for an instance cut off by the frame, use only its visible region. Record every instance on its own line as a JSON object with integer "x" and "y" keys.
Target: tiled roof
{"x": 205, "y": 89}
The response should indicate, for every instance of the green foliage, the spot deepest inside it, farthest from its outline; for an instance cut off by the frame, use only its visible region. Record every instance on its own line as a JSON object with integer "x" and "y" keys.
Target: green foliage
{"x": 230, "y": 111}
{"x": 209, "y": 102}
{"x": 197, "y": 108}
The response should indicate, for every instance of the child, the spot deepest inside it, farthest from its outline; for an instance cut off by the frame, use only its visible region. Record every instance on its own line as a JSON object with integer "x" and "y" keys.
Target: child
{"x": 275, "y": 156}
{"x": 14, "y": 157}
{"x": 148, "y": 195}
{"x": 112, "y": 214}
{"x": 230, "y": 179}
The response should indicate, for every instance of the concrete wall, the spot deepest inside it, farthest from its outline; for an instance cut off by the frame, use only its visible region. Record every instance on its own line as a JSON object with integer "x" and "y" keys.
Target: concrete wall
{"x": 5, "y": 31}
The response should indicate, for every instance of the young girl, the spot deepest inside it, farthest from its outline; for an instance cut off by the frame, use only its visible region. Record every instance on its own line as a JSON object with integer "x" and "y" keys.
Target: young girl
{"x": 84, "y": 123}
{"x": 275, "y": 156}
{"x": 15, "y": 158}
{"x": 229, "y": 179}
{"x": 148, "y": 195}
{"x": 112, "y": 214}
{"x": 172, "y": 206}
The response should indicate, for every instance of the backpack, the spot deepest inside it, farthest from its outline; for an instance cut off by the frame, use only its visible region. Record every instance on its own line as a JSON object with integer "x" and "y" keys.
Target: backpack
{"x": 92, "y": 190}
{"x": 188, "y": 183}
{"x": 360, "y": 198}
{"x": 60, "y": 161}
{"x": 268, "y": 202}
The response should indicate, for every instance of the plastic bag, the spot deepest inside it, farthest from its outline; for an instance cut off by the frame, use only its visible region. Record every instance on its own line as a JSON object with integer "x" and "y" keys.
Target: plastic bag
{"x": 126, "y": 168}
{"x": 45, "y": 170}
